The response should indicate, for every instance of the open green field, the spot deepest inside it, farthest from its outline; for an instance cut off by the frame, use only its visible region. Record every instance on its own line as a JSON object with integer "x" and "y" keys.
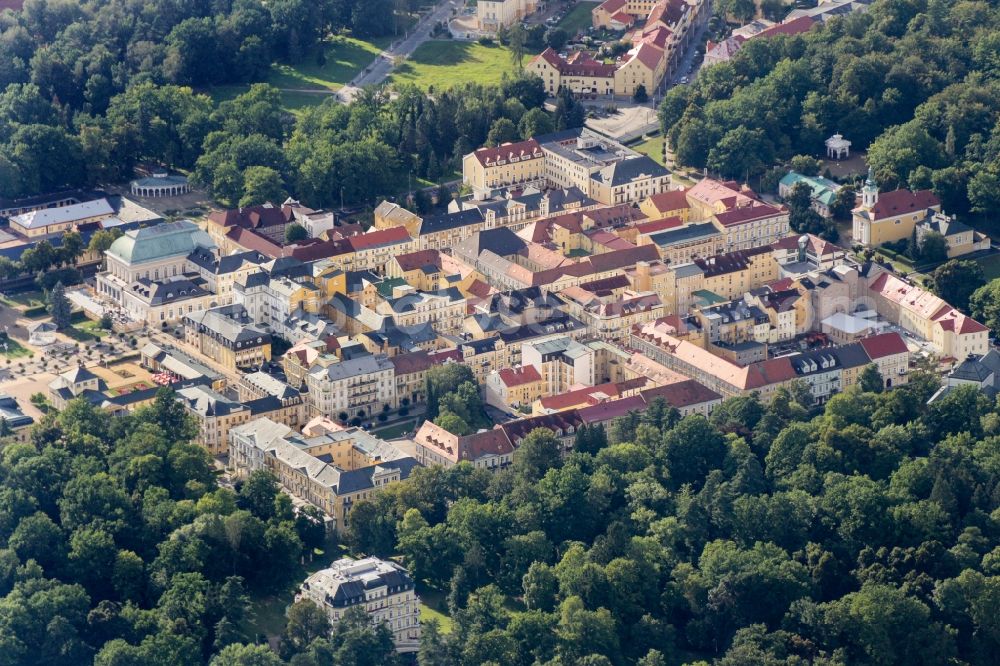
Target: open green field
{"x": 89, "y": 330}
{"x": 434, "y": 607}
{"x": 442, "y": 64}
{"x": 579, "y": 18}
{"x": 394, "y": 431}
{"x": 266, "y": 617}
{"x": 345, "y": 58}
{"x": 11, "y": 348}
{"x": 653, "y": 147}
{"x": 23, "y": 299}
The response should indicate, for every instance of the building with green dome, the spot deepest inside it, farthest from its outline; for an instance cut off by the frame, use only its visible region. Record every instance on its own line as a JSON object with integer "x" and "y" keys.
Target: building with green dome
{"x": 146, "y": 273}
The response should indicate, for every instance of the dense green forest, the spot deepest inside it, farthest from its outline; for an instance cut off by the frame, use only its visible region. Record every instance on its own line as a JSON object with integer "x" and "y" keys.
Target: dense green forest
{"x": 117, "y": 547}
{"x": 916, "y": 82}
{"x": 866, "y": 534}
{"x": 87, "y": 91}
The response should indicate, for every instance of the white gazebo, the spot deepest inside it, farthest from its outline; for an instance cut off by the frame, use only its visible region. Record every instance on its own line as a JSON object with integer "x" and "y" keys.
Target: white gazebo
{"x": 837, "y": 147}
{"x": 160, "y": 184}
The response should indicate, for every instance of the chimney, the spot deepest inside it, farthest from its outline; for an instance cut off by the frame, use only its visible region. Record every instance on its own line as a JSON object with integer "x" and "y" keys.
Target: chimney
{"x": 642, "y": 277}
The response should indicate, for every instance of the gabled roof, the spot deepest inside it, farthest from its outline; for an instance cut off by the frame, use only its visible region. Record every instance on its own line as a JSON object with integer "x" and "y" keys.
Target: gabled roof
{"x": 746, "y": 214}
{"x": 682, "y": 394}
{"x": 512, "y": 377}
{"x": 884, "y": 344}
{"x": 669, "y": 200}
{"x": 389, "y": 236}
{"x": 520, "y": 150}
{"x": 39, "y": 219}
{"x": 901, "y": 202}
{"x": 412, "y": 261}
{"x": 794, "y": 27}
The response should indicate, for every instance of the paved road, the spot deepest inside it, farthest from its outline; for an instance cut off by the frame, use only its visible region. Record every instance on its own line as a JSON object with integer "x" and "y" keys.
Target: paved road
{"x": 382, "y": 66}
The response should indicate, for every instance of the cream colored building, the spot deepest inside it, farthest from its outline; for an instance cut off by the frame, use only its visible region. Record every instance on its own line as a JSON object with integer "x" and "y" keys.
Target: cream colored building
{"x": 359, "y": 387}
{"x": 228, "y": 336}
{"x": 146, "y": 276}
{"x": 953, "y": 334}
{"x": 443, "y": 309}
{"x": 381, "y": 587}
{"x": 332, "y": 471}
{"x": 50, "y": 221}
{"x": 495, "y": 14}
{"x": 521, "y": 164}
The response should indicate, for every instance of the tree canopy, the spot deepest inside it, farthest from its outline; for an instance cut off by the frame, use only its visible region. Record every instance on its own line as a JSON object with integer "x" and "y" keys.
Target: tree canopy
{"x": 913, "y": 81}
{"x": 861, "y": 534}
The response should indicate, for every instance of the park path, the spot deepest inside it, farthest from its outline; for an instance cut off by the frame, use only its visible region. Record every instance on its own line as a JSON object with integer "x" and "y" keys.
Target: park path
{"x": 380, "y": 68}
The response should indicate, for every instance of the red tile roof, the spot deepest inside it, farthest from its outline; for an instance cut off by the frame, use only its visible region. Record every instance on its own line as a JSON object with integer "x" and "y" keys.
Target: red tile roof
{"x": 606, "y": 411}
{"x": 951, "y": 319}
{"x": 489, "y": 442}
{"x": 412, "y": 261}
{"x": 746, "y": 214}
{"x": 550, "y": 56}
{"x": 612, "y": 6}
{"x": 794, "y": 27}
{"x": 670, "y": 200}
{"x": 649, "y": 55}
{"x": 682, "y": 394}
{"x": 884, "y": 344}
{"x": 479, "y": 289}
{"x": 560, "y": 421}
{"x": 773, "y": 371}
{"x": 519, "y": 376}
{"x": 253, "y": 241}
{"x": 669, "y": 12}
{"x": 520, "y": 150}
{"x": 592, "y": 395}
{"x": 900, "y": 202}
{"x": 376, "y": 238}
{"x": 659, "y": 225}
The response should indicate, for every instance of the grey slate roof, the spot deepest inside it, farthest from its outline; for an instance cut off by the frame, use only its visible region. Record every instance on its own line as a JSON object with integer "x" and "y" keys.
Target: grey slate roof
{"x": 625, "y": 171}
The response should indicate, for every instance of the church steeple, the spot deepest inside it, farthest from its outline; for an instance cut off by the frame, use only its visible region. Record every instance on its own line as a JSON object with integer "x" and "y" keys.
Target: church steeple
{"x": 869, "y": 193}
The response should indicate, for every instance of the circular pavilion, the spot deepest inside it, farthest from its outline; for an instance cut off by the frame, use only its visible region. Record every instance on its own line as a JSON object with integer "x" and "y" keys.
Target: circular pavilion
{"x": 160, "y": 184}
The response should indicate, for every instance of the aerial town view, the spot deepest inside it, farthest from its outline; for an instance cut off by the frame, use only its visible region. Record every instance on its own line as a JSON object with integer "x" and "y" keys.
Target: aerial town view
{"x": 499, "y": 332}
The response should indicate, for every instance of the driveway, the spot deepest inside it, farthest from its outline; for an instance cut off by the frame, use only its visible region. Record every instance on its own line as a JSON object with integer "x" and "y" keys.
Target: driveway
{"x": 380, "y": 69}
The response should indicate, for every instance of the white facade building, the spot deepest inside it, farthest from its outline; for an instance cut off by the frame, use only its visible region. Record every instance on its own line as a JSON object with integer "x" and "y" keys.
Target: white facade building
{"x": 384, "y": 589}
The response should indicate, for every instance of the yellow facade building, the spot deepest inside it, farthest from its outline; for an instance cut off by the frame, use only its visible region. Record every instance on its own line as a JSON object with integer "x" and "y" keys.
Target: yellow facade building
{"x": 888, "y": 217}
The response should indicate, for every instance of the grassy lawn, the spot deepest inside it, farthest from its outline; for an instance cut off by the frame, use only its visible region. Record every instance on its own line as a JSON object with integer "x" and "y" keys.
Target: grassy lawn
{"x": 83, "y": 329}
{"x": 653, "y": 147}
{"x": 444, "y": 63}
{"x": 345, "y": 57}
{"x": 991, "y": 266}
{"x": 91, "y": 327}
{"x": 393, "y": 431}
{"x": 267, "y": 613}
{"x": 11, "y": 348}
{"x": 579, "y": 18}
{"x": 434, "y": 607}
{"x": 25, "y": 299}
